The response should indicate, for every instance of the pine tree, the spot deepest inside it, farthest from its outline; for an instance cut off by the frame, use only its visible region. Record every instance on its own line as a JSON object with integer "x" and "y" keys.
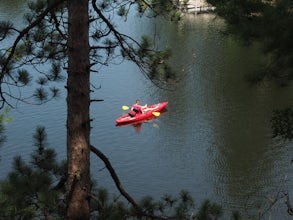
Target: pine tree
{"x": 31, "y": 189}
{"x": 58, "y": 34}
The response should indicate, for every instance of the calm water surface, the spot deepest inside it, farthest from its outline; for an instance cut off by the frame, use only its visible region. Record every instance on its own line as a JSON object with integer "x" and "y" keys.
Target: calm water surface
{"x": 214, "y": 140}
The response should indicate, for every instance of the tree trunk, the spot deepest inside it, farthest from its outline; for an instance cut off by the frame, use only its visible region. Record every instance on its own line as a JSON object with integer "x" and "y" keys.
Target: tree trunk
{"x": 78, "y": 101}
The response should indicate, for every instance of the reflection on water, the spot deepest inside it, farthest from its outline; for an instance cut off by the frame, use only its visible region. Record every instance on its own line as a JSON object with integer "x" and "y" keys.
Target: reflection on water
{"x": 214, "y": 141}
{"x": 137, "y": 125}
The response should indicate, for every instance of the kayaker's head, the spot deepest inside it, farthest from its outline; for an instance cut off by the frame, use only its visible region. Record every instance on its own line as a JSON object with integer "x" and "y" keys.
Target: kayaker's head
{"x": 137, "y": 102}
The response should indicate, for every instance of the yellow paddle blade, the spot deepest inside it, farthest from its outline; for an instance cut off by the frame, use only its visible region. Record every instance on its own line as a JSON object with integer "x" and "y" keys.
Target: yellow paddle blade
{"x": 124, "y": 107}
{"x": 156, "y": 114}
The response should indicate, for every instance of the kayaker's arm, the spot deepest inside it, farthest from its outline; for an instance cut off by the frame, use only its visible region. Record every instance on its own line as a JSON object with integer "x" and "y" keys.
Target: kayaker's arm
{"x": 144, "y": 108}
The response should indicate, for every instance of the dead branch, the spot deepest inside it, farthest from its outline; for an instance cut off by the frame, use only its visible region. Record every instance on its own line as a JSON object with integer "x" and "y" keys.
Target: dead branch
{"x": 114, "y": 175}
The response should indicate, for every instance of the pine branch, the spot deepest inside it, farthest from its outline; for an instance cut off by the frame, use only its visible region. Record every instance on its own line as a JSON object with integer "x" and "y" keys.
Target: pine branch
{"x": 25, "y": 31}
{"x": 61, "y": 183}
{"x": 21, "y": 34}
{"x": 114, "y": 175}
{"x": 96, "y": 100}
{"x": 145, "y": 62}
{"x": 122, "y": 191}
{"x": 116, "y": 33}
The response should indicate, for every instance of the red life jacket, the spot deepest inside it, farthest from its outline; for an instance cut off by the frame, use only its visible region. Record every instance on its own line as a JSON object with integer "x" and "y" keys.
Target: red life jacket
{"x": 137, "y": 108}
{"x": 132, "y": 113}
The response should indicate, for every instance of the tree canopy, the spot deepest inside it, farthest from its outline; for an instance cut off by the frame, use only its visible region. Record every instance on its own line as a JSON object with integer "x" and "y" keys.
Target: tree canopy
{"x": 44, "y": 41}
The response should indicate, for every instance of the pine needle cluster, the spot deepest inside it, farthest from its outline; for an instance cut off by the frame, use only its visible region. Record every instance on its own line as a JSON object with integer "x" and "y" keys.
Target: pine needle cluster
{"x": 30, "y": 189}
{"x": 35, "y": 189}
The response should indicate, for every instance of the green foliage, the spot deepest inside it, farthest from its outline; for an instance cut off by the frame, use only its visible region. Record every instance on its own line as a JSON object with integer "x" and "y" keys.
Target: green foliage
{"x": 169, "y": 9}
{"x": 44, "y": 41}
{"x": 36, "y": 190}
{"x": 4, "y": 118}
{"x": 39, "y": 43}
{"x": 105, "y": 208}
{"x": 5, "y": 29}
{"x": 28, "y": 192}
{"x": 185, "y": 3}
{"x": 184, "y": 206}
{"x": 209, "y": 211}
{"x": 153, "y": 63}
{"x": 40, "y": 94}
{"x": 122, "y": 11}
{"x": 235, "y": 215}
{"x": 282, "y": 123}
{"x": 267, "y": 22}
{"x": 23, "y": 77}
{"x": 37, "y": 5}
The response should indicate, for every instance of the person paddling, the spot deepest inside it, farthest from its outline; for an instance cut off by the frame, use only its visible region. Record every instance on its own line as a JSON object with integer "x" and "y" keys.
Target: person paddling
{"x": 136, "y": 108}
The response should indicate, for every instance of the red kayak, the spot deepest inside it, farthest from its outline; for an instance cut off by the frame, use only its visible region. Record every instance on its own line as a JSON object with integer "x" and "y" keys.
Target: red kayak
{"x": 150, "y": 111}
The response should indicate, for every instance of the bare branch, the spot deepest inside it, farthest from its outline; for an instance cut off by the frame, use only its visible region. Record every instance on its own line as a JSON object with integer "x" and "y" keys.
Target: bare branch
{"x": 120, "y": 187}
{"x": 114, "y": 175}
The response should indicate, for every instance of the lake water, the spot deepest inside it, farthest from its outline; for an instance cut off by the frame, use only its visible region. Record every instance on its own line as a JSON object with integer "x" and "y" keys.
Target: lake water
{"x": 215, "y": 140}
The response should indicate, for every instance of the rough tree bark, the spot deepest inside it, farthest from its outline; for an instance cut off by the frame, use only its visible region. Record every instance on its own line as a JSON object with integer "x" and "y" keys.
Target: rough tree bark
{"x": 78, "y": 102}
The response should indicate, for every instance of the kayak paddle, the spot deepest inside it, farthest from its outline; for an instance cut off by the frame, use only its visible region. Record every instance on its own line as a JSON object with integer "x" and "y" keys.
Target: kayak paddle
{"x": 156, "y": 114}
{"x": 124, "y": 107}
